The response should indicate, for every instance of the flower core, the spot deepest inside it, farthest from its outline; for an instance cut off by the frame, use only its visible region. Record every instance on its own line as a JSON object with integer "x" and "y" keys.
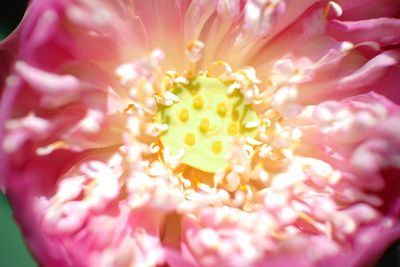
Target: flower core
{"x": 203, "y": 121}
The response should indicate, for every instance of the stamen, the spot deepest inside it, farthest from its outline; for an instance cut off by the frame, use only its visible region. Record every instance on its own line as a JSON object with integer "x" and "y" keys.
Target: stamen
{"x": 333, "y": 9}
{"x": 252, "y": 124}
{"x": 154, "y": 148}
{"x": 42, "y": 151}
{"x": 194, "y": 50}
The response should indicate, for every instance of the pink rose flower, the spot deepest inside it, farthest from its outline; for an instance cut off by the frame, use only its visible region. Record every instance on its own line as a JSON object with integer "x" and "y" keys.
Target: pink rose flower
{"x": 203, "y": 132}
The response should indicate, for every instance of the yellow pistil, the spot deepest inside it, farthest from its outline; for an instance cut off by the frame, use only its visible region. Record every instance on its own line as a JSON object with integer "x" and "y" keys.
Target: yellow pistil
{"x": 200, "y": 122}
{"x": 204, "y": 125}
{"x": 222, "y": 108}
{"x": 216, "y": 147}
{"x": 184, "y": 114}
{"x": 198, "y": 102}
{"x": 190, "y": 139}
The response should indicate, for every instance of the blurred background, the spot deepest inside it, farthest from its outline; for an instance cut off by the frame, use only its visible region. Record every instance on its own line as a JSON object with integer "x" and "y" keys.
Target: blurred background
{"x": 13, "y": 252}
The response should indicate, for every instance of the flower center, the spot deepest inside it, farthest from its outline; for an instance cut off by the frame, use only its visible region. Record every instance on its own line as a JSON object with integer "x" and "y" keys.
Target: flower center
{"x": 203, "y": 120}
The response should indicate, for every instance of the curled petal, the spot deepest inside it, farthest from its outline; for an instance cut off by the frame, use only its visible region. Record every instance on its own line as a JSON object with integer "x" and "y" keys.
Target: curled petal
{"x": 381, "y": 30}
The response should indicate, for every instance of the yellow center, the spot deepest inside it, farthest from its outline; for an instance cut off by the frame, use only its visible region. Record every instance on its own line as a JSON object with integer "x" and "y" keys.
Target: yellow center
{"x": 202, "y": 122}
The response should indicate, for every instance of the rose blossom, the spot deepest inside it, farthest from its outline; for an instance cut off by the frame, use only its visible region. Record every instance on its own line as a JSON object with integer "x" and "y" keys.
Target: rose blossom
{"x": 204, "y": 132}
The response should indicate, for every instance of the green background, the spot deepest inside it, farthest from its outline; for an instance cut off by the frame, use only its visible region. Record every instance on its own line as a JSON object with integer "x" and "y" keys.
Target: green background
{"x": 12, "y": 249}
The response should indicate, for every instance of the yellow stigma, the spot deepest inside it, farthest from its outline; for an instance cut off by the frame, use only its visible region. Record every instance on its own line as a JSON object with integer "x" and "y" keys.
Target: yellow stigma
{"x": 190, "y": 139}
{"x": 198, "y": 102}
{"x": 202, "y": 121}
{"x": 216, "y": 147}
{"x": 222, "y": 108}
{"x": 204, "y": 125}
{"x": 184, "y": 114}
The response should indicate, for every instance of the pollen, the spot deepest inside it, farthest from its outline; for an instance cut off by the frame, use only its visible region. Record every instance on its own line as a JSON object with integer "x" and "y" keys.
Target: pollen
{"x": 222, "y": 108}
{"x": 204, "y": 125}
{"x": 190, "y": 139}
{"x": 184, "y": 114}
{"x": 198, "y": 102}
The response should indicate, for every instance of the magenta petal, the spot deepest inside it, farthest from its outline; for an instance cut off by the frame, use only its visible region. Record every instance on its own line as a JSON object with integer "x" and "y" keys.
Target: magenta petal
{"x": 370, "y": 72}
{"x": 366, "y": 9}
{"x": 8, "y": 51}
{"x": 364, "y": 255}
{"x": 175, "y": 259}
{"x": 385, "y": 31}
{"x": 360, "y": 80}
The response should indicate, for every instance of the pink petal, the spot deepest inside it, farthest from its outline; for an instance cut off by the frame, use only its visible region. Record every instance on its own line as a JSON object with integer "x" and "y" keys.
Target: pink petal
{"x": 367, "y": 9}
{"x": 385, "y": 31}
{"x": 359, "y": 80}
